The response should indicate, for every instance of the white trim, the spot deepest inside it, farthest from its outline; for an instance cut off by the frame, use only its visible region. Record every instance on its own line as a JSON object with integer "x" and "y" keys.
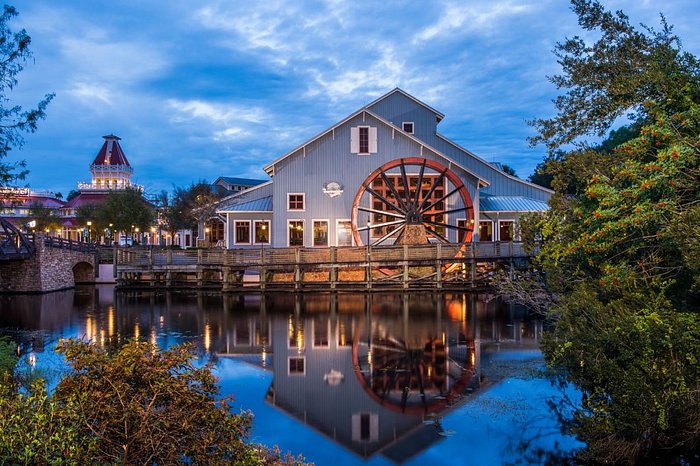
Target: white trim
{"x": 289, "y": 359}
{"x": 359, "y": 146}
{"x": 303, "y": 229}
{"x": 313, "y": 335}
{"x": 438, "y": 114}
{"x": 269, "y": 168}
{"x": 472, "y": 154}
{"x": 328, "y": 232}
{"x": 268, "y": 229}
{"x": 337, "y": 229}
{"x": 493, "y": 232}
{"x": 235, "y": 233}
{"x": 413, "y": 128}
{"x": 303, "y": 202}
{"x": 499, "y": 229}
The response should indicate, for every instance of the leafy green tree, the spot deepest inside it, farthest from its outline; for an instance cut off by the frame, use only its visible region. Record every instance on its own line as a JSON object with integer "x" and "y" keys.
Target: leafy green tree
{"x": 193, "y": 205}
{"x": 44, "y": 217}
{"x": 73, "y": 193}
{"x": 618, "y": 247}
{"x": 14, "y": 53}
{"x": 135, "y": 405}
{"x": 124, "y": 210}
{"x": 507, "y": 169}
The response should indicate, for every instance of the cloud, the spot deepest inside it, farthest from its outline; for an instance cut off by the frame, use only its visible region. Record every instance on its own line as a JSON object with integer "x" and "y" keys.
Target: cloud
{"x": 460, "y": 18}
{"x": 90, "y": 93}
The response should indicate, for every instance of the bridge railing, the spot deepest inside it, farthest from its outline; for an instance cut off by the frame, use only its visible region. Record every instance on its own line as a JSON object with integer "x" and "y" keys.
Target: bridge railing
{"x": 62, "y": 243}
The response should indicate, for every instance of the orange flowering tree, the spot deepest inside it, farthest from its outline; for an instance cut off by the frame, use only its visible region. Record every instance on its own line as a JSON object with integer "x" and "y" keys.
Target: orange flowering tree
{"x": 621, "y": 242}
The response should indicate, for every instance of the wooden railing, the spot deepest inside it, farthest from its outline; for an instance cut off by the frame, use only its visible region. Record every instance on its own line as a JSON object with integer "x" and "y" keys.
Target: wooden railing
{"x": 271, "y": 257}
{"x": 61, "y": 243}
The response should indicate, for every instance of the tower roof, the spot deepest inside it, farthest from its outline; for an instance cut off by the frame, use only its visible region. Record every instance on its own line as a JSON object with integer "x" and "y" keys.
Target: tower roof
{"x": 111, "y": 152}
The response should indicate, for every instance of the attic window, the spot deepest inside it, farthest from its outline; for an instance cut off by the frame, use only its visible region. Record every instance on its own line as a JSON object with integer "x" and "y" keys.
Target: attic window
{"x": 364, "y": 139}
{"x": 408, "y": 127}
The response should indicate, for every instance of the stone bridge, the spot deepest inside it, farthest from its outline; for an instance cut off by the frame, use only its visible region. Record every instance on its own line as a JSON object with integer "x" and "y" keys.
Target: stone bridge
{"x": 54, "y": 265}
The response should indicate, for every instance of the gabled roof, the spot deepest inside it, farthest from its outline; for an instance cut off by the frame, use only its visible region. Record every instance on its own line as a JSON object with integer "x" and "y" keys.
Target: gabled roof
{"x": 269, "y": 167}
{"x": 86, "y": 198}
{"x": 515, "y": 178}
{"x": 111, "y": 152}
{"x": 439, "y": 115}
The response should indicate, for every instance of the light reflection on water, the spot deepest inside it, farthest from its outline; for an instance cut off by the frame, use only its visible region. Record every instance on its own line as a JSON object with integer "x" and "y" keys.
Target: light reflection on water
{"x": 346, "y": 378}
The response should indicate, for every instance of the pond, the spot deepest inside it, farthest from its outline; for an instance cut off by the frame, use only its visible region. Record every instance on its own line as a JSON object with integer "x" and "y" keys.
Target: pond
{"x": 341, "y": 379}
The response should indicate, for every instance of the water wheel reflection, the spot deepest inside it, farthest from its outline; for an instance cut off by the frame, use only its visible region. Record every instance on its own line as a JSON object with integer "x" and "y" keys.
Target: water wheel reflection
{"x": 414, "y": 375}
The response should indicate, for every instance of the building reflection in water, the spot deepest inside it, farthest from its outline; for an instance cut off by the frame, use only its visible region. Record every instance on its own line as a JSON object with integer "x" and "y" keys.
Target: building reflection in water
{"x": 373, "y": 372}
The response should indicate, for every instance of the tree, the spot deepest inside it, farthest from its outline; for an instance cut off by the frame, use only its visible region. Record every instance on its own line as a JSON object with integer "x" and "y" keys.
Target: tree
{"x": 193, "y": 205}
{"x": 44, "y": 217}
{"x": 135, "y": 405}
{"x": 125, "y": 210}
{"x": 14, "y": 53}
{"x": 508, "y": 170}
{"x": 72, "y": 194}
{"x": 618, "y": 245}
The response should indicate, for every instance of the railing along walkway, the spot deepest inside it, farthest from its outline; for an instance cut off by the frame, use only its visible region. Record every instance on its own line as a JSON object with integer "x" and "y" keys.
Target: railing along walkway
{"x": 392, "y": 265}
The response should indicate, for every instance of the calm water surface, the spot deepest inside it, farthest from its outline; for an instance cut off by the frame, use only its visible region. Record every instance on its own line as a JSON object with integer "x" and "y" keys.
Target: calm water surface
{"x": 341, "y": 379}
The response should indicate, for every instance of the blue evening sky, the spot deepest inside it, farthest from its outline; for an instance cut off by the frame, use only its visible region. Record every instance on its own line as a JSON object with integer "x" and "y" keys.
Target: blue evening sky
{"x": 208, "y": 88}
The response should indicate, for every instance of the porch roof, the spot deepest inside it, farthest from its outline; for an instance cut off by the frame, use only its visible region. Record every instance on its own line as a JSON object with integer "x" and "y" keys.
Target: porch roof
{"x": 511, "y": 204}
{"x": 264, "y": 204}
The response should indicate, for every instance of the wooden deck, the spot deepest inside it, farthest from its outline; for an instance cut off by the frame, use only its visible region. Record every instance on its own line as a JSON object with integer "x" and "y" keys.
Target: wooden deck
{"x": 428, "y": 267}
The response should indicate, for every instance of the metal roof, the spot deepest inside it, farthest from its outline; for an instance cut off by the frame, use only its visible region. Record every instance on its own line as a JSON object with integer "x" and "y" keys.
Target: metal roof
{"x": 240, "y": 181}
{"x": 264, "y": 204}
{"x": 511, "y": 204}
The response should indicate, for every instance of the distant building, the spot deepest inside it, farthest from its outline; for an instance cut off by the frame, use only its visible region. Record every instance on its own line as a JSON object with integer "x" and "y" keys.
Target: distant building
{"x": 16, "y": 204}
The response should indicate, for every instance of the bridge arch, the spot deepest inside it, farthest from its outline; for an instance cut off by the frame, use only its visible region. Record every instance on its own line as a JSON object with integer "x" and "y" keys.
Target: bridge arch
{"x": 83, "y": 272}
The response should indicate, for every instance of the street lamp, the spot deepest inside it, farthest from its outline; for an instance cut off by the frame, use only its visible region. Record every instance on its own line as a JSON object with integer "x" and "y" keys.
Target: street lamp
{"x": 153, "y": 236}
{"x": 89, "y": 225}
{"x": 206, "y": 231}
{"x": 137, "y": 235}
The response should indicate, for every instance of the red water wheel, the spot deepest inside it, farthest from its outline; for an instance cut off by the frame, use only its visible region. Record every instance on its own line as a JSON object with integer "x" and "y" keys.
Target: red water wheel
{"x": 411, "y": 191}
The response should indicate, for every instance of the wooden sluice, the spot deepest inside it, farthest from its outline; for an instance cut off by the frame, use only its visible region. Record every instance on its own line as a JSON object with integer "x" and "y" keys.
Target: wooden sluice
{"x": 403, "y": 267}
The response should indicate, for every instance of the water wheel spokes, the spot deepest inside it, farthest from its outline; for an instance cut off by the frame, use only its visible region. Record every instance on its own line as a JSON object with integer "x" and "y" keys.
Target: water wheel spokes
{"x": 411, "y": 192}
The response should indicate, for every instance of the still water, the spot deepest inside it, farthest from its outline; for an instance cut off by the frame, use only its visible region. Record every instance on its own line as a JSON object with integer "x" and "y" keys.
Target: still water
{"x": 341, "y": 379}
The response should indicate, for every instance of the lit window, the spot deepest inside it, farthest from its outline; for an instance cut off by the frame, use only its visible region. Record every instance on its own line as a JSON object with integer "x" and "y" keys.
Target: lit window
{"x": 242, "y": 232}
{"x": 485, "y": 230}
{"x": 262, "y": 232}
{"x": 320, "y": 233}
{"x": 296, "y": 233}
{"x": 408, "y": 127}
{"x": 505, "y": 230}
{"x": 295, "y": 201}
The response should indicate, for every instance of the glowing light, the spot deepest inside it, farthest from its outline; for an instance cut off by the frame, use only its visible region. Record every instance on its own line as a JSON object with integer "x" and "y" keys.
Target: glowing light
{"x": 110, "y": 321}
{"x": 137, "y": 331}
{"x": 207, "y": 337}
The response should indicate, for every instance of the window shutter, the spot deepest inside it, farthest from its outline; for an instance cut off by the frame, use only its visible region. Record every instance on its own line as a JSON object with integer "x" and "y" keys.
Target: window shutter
{"x": 373, "y": 427}
{"x": 355, "y": 140}
{"x": 355, "y": 423}
{"x": 372, "y": 140}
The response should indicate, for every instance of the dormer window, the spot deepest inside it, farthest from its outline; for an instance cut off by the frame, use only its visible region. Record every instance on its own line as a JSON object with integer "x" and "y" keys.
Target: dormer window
{"x": 408, "y": 127}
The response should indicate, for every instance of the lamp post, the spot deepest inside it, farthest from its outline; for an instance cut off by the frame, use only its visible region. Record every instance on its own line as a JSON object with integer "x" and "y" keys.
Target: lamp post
{"x": 153, "y": 236}
{"x": 206, "y": 231}
{"x": 89, "y": 227}
{"x": 137, "y": 235}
